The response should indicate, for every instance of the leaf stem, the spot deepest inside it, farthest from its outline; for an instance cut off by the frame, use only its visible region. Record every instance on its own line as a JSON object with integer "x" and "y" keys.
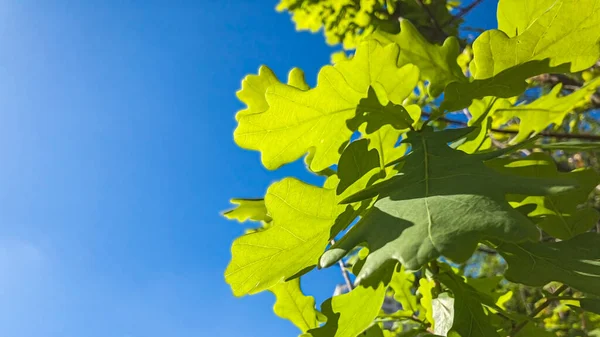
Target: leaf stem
{"x": 400, "y": 318}
{"x": 539, "y": 309}
{"x": 344, "y": 272}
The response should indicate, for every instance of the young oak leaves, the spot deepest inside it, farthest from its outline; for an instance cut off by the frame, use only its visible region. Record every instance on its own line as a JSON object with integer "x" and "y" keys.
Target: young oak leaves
{"x": 433, "y": 197}
{"x": 437, "y": 64}
{"x": 566, "y": 32}
{"x": 442, "y": 201}
{"x": 254, "y": 88}
{"x": 298, "y": 121}
{"x": 559, "y": 36}
{"x": 248, "y": 210}
{"x": 296, "y": 307}
{"x": 352, "y": 313}
{"x": 560, "y": 215}
{"x": 575, "y": 262}
{"x": 469, "y": 318}
{"x": 549, "y": 109}
{"x": 302, "y": 218}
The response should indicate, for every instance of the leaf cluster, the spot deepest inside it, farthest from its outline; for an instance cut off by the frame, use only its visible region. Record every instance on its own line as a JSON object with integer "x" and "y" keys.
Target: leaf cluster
{"x": 447, "y": 203}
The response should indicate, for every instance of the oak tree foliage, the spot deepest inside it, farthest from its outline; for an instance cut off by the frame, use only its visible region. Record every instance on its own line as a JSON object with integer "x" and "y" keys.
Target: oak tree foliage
{"x": 459, "y": 173}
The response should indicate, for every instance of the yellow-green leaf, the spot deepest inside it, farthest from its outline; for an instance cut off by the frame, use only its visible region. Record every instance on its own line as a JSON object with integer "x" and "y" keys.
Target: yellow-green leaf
{"x": 564, "y": 31}
{"x": 302, "y": 217}
{"x": 438, "y": 64}
{"x": 293, "y": 305}
{"x": 298, "y": 121}
{"x": 248, "y": 209}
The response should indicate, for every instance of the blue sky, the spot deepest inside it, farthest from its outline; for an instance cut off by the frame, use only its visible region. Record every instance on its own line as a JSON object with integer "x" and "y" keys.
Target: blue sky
{"x": 117, "y": 157}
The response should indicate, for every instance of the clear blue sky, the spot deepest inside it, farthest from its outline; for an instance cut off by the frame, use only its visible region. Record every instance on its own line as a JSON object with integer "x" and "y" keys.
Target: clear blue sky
{"x": 116, "y": 122}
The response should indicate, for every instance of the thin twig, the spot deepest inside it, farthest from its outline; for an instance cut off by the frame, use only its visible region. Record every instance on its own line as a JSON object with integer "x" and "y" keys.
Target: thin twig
{"x": 432, "y": 18}
{"x": 539, "y": 309}
{"x": 514, "y": 132}
{"x": 344, "y": 272}
{"x": 464, "y": 11}
{"x": 399, "y": 318}
{"x": 487, "y": 250}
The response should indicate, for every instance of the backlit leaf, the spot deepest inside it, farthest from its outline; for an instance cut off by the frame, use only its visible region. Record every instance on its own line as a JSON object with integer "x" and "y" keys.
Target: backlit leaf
{"x": 302, "y": 218}
{"x": 248, "y": 209}
{"x": 298, "y": 121}
{"x": 352, "y": 313}
{"x": 402, "y": 284}
{"x": 549, "y": 109}
{"x": 294, "y": 306}
{"x": 425, "y": 290}
{"x": 565, "y": 32}
{"x": 438, "y": 64}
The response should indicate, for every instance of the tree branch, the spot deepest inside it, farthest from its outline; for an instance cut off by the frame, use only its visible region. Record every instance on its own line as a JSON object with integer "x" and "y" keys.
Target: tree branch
{"x": 344, "y": 272}
{"x": 432, "y": 18}
{"x": 514, "y": 132}
{"x": 539, "y": 309}
{"x": 464, "y": 11}
{"x": 568, "y": 83}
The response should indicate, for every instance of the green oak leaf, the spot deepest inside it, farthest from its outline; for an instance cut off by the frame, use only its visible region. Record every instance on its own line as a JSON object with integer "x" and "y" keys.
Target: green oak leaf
{"x": 352, "y": 313}
{"x": 559, "y": 215}
{"x": 373, "y": 331}
{"x": 300, "y": 121}
{"x": 438, "y": 64}
{"x": 355, "y": 162}
{"x": 515, "y": 16}
{"x": 425, "y": 289}
{"x": 481, "y": 111}
{"x": 548, "y": 109}
{"x": 376, "y": 111}
{"x": 254, "y": 88}
{"x": 302, "y": 218}
{"x": 384, "y": 141}
{"x": 293, "y": 305}
{"x": 566, "y": 33}
{"x": 402, "y": 284}
{"x": 508, "y": 83}
{"x": 469, "y": 318}
{"x": 442, "y": 202}
{"x": 248, "y": 209}
{"x": 574, "y": 262}
{"x": 486, "y": 286}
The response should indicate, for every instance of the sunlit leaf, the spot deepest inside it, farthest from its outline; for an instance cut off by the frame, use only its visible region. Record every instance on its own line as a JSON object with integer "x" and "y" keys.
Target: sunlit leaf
{"x": 438, "y": 64}
{"x": 549, "y": 109}
{"x": 352, "y": 313}
{"x": 302, "y": 218}
{"x": 298, "y": 121}
{"x": 402, "y": 284}
{"x": 248, "y": 209}
{"x": 564, "y": 32}
{"x": 293, "y": 305}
